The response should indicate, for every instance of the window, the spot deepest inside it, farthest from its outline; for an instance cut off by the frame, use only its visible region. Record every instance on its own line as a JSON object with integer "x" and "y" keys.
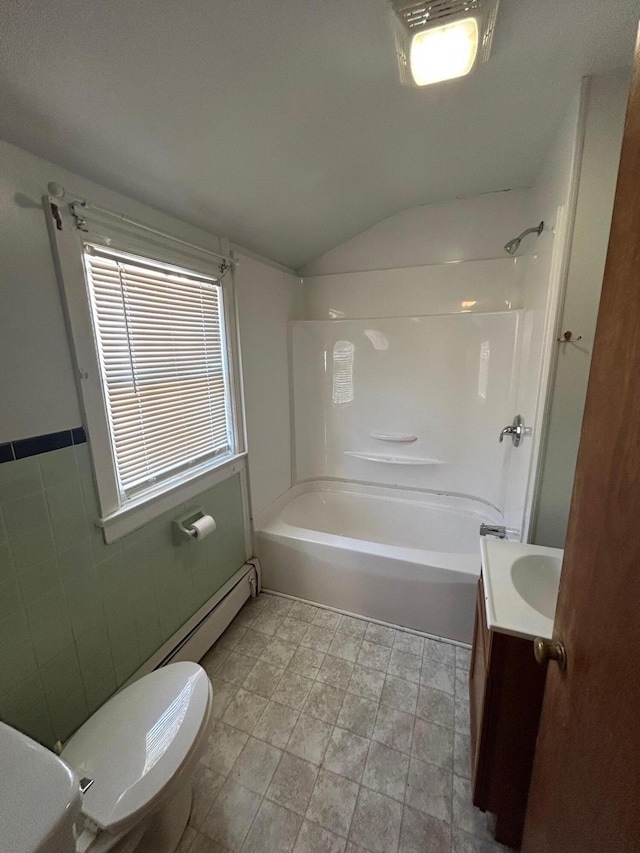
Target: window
{"x": 156, "y": 368}
{"x": 160, "y": 341}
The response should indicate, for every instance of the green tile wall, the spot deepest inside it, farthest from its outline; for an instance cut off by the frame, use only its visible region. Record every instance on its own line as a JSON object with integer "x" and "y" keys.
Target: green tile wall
{"x": 78, "y": 617}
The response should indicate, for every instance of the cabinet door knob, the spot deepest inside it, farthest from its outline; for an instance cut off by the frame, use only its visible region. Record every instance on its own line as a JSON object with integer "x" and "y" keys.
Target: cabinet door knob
{"x": 545, "y": 651}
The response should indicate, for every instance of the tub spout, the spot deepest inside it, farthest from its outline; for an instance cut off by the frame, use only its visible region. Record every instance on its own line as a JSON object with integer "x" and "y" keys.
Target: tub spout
{"x": 493, "y": 530}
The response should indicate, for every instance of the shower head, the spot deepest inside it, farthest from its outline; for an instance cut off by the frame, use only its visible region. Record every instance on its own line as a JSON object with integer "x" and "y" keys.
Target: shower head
{"x": 512, "y": 246}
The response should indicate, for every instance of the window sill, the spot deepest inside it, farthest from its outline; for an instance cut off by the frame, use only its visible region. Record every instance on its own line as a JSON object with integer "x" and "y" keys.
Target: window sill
{"x": 148, "y": 507}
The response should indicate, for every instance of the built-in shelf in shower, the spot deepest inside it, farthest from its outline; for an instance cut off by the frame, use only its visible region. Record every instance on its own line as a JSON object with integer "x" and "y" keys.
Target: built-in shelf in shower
{"x": 393, "y": 460}
{"x": 400, "y": 437}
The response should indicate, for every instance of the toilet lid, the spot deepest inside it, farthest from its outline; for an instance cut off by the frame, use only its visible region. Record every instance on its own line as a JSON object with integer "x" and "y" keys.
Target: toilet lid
{"x": 136, "y": 742}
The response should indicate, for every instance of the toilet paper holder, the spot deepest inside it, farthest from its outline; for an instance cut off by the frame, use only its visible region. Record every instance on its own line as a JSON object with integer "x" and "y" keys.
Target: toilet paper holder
{"x": 181, "y": 530}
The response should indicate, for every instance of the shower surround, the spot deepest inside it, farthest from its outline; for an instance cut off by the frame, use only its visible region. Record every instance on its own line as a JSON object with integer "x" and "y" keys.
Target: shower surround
{"x": 402, "y": 381}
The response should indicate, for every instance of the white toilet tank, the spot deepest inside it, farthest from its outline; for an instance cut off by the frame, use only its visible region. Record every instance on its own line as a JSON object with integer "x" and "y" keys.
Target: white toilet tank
{"x": 39, "y": 797}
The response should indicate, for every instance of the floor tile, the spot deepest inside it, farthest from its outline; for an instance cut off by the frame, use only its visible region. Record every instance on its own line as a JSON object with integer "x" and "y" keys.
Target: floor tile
{"x": 244, "y": 710}
{"x": 203, "y": 844}
{"x": 276, "y": 724}
{"x": 324, "y": 702}
{"x": 336, "y": 672}
{"x": 306, "y": 661}
{"x": 274, "y": 829}
{"x": 465, "y": 815}
{"x": 463, "y": 658}
{"x": 293, "y": 783}
{"x": 367, "y": 683}
{"x": 327, "y": 619}
{"x": 223, "y": 747}
{"x": 462, "y": 721}
{"x": 267, "y": 623}
{"x": 345, "y": 647}
{"x": 318, "y": 638}
{"x": 278, "y": 653}
{"x": 358, "y": 715}
{"x": 438, "y": 650}
{"x": 291, "y": 630}
{"x": 292, "y": 690}
{"x": 400, "y": 694}
{"x": 462, "y": 755}
{"x": 263, "y": 679}
{"x": 462, "y": 842}
{"x": 214, "y": 659}
{"x": 380, "y": 634}
{"x": 223, "y": 693}
{"x": 206, "y": 785}
{"x": 374, "y": 656}
{"x": 278, "y": 604}
{"x": 346, "y": 754}
{"x": 406, "y": 642}
{"x": 386, "y": 771}
{"x": 405, "y": 665}
{"x": 252, "y": 643}
{"x": 432, "y": 743}
{"x": 188, "y": 837}
{"x": 435, "y": 706}
{"x": 385, "y": 728}
{"x": 231, "y": 637}
{"x": 422, "y": 833}
{"x": 376, "y": 822}
{"x": 231, "y": 815}
{"x": 429, "y": 789}
{"x": 235, "y": 668}
{"x": 438, "y": 675}
{"x": 256, "y": 765}
{"x": 332, "y": 802}
{"x": 303, "y": 612}
{"x": 462, "y": 684}
{"x": 309, "y": 739}
{"x": 315, "y": 839}
{"x": 394, "y": 729}
{"x": 351, "y": 625}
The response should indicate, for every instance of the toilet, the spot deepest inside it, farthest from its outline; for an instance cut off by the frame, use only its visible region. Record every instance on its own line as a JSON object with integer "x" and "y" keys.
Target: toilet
{"x": 133, "y": 760}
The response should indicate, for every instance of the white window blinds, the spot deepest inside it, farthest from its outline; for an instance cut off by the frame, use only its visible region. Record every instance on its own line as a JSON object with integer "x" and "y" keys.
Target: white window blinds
{"x": 161, "y": 346}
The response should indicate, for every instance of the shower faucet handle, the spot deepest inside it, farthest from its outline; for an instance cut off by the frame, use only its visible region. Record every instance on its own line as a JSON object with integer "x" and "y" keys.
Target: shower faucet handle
{"x": 516, "y": 430}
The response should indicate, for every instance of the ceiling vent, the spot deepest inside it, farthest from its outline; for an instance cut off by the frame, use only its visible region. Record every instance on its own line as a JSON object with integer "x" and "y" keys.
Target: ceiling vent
{"x": 443, "y": 39}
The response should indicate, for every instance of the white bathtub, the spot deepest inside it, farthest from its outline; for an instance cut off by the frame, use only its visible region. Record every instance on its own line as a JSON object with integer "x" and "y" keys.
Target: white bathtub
{"x": 403, "y": 557}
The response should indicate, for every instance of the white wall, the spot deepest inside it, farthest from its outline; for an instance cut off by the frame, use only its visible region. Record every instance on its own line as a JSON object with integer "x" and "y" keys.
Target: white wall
{"x": 464, "y": 229}
{"x": 267, "y": 299}
{"x": 605, "y": 112}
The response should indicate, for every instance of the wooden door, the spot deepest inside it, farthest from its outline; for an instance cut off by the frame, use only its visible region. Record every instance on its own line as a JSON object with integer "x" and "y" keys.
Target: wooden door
{"x": 585, "y": 790}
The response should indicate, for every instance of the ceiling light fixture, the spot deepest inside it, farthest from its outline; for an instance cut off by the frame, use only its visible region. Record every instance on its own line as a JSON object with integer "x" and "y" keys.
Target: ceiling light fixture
{"x": 442, "y": 39}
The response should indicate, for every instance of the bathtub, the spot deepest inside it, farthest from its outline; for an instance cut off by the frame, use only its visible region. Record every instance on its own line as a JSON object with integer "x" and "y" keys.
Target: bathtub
{"x": 403, "y": 557}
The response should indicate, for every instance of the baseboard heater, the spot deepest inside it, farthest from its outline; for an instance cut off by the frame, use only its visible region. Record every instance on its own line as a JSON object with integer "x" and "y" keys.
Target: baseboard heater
{"x": 199, "y": 633}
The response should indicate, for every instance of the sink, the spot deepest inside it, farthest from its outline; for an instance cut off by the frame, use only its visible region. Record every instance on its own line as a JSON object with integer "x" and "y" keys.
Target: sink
{"x": 536, "y": 578}
{"x": 521, "y": 586}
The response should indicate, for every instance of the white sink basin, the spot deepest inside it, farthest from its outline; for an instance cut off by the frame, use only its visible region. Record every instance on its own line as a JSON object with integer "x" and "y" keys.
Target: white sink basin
{"x": 536, "y": 578}
{"x": 521, "y": 586}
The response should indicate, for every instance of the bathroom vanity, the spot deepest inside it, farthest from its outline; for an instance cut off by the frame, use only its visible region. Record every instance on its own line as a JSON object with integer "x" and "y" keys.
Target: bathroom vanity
{"x": 515, "y": 604}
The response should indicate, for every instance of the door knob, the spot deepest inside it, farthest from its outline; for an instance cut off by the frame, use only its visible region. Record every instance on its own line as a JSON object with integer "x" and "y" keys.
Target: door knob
{"x": 545, "y": 651}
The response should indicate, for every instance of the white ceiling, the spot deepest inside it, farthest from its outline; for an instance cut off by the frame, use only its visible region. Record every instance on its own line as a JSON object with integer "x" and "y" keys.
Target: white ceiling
{"x": 282, "y": 124}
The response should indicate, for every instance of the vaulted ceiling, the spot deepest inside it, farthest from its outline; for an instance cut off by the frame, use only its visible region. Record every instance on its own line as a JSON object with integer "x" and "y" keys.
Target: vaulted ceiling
{"x": 282, "y": 123}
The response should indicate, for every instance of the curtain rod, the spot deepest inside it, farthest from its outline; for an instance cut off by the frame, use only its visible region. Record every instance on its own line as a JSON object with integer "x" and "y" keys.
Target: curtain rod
{"x": 59, "y": 193}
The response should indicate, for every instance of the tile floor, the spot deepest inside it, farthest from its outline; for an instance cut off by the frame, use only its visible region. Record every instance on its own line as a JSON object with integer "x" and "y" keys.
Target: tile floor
{"x": 334, "y": 735}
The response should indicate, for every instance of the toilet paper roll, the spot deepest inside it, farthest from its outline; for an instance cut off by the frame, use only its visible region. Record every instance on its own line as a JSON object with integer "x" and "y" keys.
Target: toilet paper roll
{"x": 202, "y": 527}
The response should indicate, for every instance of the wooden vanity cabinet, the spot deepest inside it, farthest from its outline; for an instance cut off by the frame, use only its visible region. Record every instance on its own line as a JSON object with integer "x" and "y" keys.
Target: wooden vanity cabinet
{"x": 506, "y": 686}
